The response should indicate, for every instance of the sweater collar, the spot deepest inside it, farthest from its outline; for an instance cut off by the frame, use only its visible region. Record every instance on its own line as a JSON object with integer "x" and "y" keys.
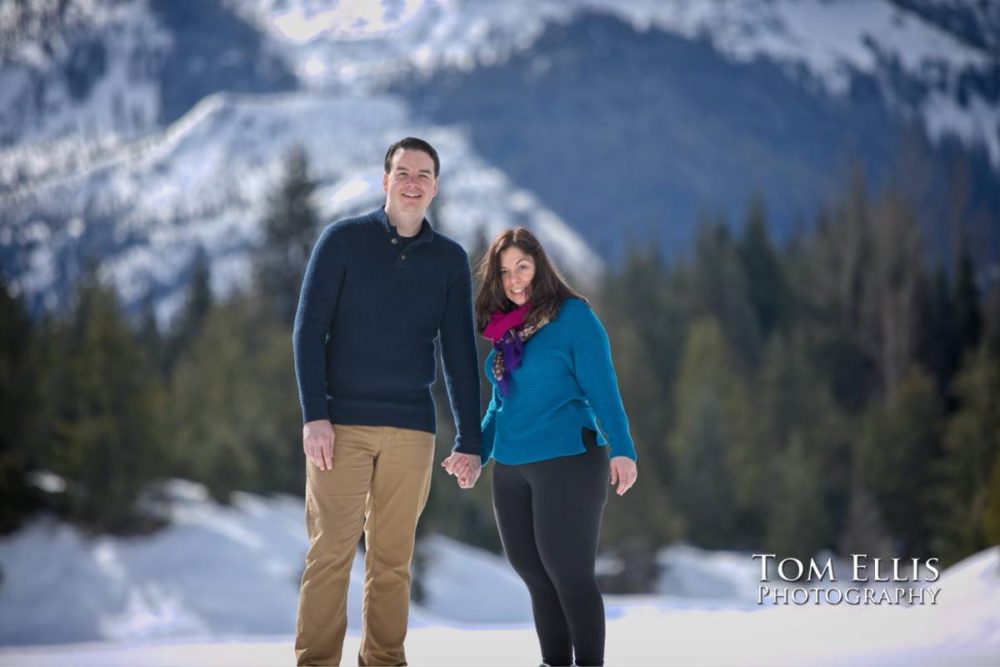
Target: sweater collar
{"x": 425, "y": 235}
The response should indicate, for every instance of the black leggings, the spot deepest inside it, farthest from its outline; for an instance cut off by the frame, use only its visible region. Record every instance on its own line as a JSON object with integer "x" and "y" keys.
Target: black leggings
{"x": 549, "y": 515}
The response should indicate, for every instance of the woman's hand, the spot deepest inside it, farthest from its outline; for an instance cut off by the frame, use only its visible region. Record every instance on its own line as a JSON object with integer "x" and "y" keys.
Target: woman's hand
{"x": 623, "y": 473}
{"x": 465, "y": 467}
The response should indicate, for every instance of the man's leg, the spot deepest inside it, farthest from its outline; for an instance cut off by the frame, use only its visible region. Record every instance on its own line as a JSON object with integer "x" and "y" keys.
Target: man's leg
{"x": 335, "y": 508}
{"x": 400, "y": 484}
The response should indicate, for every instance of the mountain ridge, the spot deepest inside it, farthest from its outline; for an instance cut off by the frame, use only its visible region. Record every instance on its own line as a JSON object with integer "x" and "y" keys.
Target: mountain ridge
{"x": 881, "y": 70}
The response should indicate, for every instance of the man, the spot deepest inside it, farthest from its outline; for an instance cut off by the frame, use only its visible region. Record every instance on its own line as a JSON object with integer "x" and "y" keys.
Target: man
{"x": 377, "y": 292}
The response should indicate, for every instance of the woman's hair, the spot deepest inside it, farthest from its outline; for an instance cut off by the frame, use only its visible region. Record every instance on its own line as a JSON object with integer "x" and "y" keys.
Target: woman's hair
{"x": 548, "y": 288}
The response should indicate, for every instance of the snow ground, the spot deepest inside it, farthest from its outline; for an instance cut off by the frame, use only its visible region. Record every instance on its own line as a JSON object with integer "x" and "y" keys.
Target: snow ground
{"x": 219, "y": 587}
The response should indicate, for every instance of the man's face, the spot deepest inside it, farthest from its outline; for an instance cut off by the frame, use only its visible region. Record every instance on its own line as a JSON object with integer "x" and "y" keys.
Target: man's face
{"x": 410, "y": 184}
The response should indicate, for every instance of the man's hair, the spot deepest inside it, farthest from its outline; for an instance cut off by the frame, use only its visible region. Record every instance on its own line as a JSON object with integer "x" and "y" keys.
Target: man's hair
{"x": 413, "y": 143}
{"x": 548, "y": 287}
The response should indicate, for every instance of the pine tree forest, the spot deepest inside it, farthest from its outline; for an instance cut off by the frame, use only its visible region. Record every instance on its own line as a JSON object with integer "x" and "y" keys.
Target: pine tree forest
{"x": 836, "y": 392}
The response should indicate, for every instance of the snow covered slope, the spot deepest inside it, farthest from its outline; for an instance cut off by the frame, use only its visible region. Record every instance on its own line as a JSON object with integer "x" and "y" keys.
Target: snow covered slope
{"x": 119, "y": 142}
{"x": 146, "y": 205}
{"x": 93, "y": 71}
{"x": 921, "y": 68}
{"x": 220, "y": 587}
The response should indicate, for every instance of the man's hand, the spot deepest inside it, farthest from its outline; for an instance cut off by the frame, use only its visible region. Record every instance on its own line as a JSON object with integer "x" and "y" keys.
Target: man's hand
{"x": 466, "y": 467}
{"x": 623, "y": 473}
{"x": 317, "y": 443}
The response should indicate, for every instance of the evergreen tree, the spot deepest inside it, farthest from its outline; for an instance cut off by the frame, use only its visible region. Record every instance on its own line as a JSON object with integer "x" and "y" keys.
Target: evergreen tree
{"x": 951, "y": 323}
{"x": 894, "y": 454}
{"x": 991, "y": 515}
{"x": 19, "y": 401}
{"x": 967, "y": 310}
{"x": 289, "y": 231}
{"x": 149, "y": 336}
{"x": 842, "y": 250}
{"x": 868, "y": 267}
{"x": 719, "y": 289}
{"x": 197, "y": 304}
{"x": 799, "y": 523}
{"x": 834, "y": 270}
{"x": 234, "y": 408}
{"x": 791, "y": 461}
{"x": 701, "y": 439}
{"x": 971, "y": 447}
{"x": 889, "y": 304}
{"x": 646, "y": 322}
{"x": 991, "y": 319}
{"x": 766, "y": 283}
{"x": 106, "y": 435}
{"x": 938, "y": 346}
{"x": 644, "y": 516}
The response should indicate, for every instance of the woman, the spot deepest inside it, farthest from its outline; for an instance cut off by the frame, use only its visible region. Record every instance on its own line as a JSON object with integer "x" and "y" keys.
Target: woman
{"x": 555, "y": 402}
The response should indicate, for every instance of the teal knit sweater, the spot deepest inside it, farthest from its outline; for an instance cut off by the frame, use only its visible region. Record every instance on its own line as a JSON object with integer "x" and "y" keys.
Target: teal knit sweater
{"x": 566, "y": 381}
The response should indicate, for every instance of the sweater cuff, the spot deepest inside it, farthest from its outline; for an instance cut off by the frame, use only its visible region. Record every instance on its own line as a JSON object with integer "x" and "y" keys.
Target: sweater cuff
{"x": 622, "y": 449}
{"x": 468, "y": 445}
{"x": 315, "y": 409}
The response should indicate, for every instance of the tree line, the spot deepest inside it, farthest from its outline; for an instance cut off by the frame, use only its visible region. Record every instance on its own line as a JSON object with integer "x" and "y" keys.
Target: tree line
{"x": 834, "y": 392}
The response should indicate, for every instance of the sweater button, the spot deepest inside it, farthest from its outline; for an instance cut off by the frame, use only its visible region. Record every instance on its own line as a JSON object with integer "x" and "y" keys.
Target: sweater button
{"x": 403, "y": 257}
{"x": 395, "y": 241}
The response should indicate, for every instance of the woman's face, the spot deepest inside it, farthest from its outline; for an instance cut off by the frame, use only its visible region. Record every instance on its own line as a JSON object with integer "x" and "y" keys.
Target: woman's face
{"x": 517, "y": 270}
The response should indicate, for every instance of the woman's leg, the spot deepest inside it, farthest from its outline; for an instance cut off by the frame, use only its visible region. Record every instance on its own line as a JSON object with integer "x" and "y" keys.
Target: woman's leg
{"x": 513, "y": 507}
{"x": 568, "y": 498}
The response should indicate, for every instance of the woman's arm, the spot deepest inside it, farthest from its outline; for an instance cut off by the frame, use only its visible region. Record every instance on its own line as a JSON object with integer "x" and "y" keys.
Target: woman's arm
{"x": 596, "y": 376}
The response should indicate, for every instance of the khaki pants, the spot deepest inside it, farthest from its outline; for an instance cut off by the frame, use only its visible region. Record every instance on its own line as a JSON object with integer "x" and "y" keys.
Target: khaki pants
{"x": 379, "y": 483}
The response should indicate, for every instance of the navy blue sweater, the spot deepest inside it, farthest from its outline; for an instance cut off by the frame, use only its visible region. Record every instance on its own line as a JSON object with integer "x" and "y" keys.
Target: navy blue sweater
{"x": 369, "y": 313}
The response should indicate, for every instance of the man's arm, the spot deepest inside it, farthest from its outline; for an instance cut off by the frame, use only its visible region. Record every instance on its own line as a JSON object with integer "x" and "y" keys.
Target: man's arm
{"x": 461, "y": 361}
{"x": 317, "y": 303}
{"x": 463, "y": 466}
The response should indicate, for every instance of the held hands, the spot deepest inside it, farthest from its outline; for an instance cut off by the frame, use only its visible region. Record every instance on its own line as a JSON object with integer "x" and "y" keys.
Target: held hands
{"x": 623, "y": 473}
{"x": 317, "y": 442}
{"x": 466, "y": 467}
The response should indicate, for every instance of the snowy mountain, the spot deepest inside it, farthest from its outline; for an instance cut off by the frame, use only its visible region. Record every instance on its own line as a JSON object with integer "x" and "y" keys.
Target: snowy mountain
{"x": 351, "y": 45}
{"x": 95, "y": 69}
{"x": 632, "y": 119}
{"x": 143, "y": 199}
{"x": 145, "y": 206}
{"x": 220, "y": 585}
{"x": 670, "y": 129}
{"x": 135, "y": 131}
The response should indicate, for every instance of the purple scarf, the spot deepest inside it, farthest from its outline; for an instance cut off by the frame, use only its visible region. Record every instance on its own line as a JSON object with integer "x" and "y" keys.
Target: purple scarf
{"x": 508, "y": 334}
